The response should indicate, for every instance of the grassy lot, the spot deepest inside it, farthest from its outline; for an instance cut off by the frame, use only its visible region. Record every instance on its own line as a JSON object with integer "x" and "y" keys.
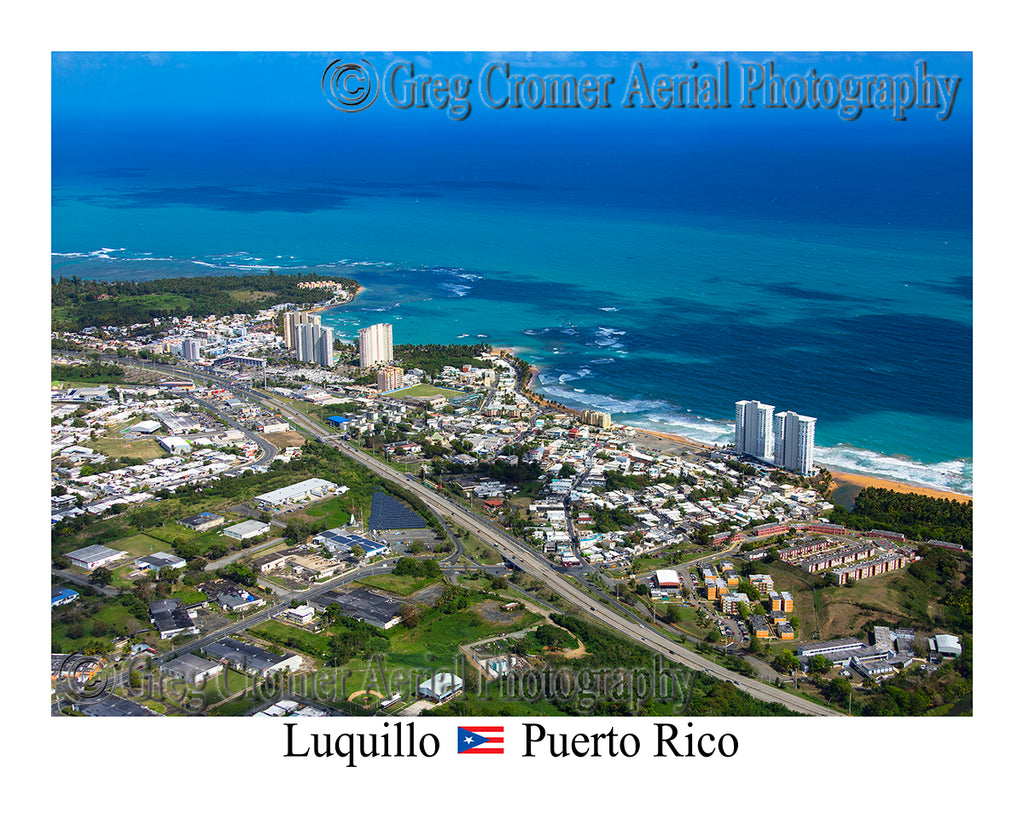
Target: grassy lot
{"x": 439, "y": 635}
{"x": 688, "y": 622}
{"x": 840, "y": 611}
{"x": 169, "y": 532}
{"x": 83, "y": 621}
{"x": 99, "y": 531}
{"x": 138, "y": 545}
{"x": 116, "y": 447}
{"x": 188, "y": 595}
{"x": 294, "y": 638}
{"x": 479, "y": 550}
{"x": 332, "y": 512}
{"x": 215, "y": 538}
{"x": 250, "y": 295}
{"x": 423, "y": 390}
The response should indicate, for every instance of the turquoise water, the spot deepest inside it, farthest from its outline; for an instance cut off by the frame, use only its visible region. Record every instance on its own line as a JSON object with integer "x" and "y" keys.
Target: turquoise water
{"x": 664, "y": 321}
{"x": 657, "y": 267}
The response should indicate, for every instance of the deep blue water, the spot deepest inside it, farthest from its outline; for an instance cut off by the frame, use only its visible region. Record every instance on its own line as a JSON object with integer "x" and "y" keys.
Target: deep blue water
{"x": 660, "y": 273}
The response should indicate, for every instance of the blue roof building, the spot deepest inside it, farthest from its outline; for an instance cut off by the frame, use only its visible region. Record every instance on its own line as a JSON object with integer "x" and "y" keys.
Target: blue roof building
{"x": 61, "y": 597}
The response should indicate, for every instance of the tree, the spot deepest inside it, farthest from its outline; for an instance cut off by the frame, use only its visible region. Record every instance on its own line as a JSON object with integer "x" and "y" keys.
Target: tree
{"x": 785, "y": 662}
{"x": 749, "y": 589}
{"x": 819, "y": 664}
{"x": 410, "y": 615}
{"x": 101, "y": 576}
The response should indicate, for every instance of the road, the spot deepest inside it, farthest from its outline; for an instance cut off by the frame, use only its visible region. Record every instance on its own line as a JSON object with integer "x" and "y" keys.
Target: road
{"x": 527, "y": 559}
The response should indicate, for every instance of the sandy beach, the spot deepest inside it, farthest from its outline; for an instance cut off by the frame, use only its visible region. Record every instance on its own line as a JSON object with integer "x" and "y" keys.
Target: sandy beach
{"x": 841, "y": 479}
{"x": 329, "y": 306}
{"x": 663, "y": 441}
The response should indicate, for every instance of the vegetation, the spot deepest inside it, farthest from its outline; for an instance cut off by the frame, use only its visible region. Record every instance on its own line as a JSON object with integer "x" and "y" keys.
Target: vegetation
{"x": 91, "y": 372}
{"x": 916, "y": 516}
{"x": 410, "y": 567}
{"x": 79, "y": 303}
{"x": 431, "y": 358}
{"x": 547, "y": 637}
{"x": 612, "y": 520}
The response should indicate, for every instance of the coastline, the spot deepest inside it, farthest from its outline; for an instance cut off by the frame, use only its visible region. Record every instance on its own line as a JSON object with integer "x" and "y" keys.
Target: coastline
{"x": 840, "y": 479}
{"x": 326, "y": 307}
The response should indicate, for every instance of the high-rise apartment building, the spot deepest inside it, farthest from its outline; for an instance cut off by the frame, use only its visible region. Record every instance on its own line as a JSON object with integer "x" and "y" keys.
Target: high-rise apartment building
{"x": 794, "y": 442}
{"x": 291, "y": 322}
{"x": 389, "y": 378}
{"x": 754, "y": 429}
{"x": 190, "y": 349}
{"x": 375, "y": 345}
{"x": 314, "y": 344}
{"x": 601, "y": 420}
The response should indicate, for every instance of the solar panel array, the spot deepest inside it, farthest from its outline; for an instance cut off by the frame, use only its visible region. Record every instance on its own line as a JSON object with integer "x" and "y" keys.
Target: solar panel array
{"x": 343, "y": 541}
{"x": 387, "y": 512}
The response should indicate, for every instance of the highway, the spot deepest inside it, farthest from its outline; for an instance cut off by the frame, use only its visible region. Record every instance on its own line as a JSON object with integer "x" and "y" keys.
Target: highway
{"x": 527, "y": 559}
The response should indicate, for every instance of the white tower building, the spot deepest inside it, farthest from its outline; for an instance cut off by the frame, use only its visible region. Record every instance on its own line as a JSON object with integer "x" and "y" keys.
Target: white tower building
{"x": 754, "y": 429}
{"x": 375, "y": 345}
{"x": 794, "y": 442}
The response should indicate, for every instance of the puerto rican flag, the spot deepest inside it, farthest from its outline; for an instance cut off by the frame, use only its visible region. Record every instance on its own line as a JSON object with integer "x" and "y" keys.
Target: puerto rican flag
{"x": 481, "y": 739}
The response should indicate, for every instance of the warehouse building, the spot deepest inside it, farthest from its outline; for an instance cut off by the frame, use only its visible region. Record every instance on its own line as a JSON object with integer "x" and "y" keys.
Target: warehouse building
{"x": 175, "y": 445}
{"x": 160, "y": 560}
{"x": 246, "y": 529}
{"x": 192, "y": 669}
{"x": 92, "y": 557}
{"x": 202, "y": 521}
{"x": 441, "y": 687}
{"x": 252, "y": 659}
{"x": 171, "y": 618}
{"x": 312, "y": 489}
{"x": 667, "y": 579}
{"x": 365, "y": 606}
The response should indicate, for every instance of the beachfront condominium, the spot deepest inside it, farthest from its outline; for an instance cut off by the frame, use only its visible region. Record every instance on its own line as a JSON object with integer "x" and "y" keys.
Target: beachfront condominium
{"x": 315, "y": 344}
{"x": 794, "y": 442}
{"x": 291, "y": 321}
{"x": 375, "y": 345}
{"x": 754, "y": 429}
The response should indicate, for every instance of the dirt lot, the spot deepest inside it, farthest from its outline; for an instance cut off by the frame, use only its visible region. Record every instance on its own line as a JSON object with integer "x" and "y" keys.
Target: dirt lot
{"x": 283, "y": 439}
{"x": 491, "y": 611}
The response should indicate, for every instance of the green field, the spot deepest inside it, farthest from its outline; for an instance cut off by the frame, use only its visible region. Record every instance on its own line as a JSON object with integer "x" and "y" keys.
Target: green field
{"x": 423, "y": 390}
{"x": 297, "y": 639}
{"x": 116, "y": 447}
{"x": 333, "y": 512}
{"x": 169, "y": 532}
{"x": 688, "y": 618}
{"x": 440, "y": 635}
{"x": 138, "y": 545}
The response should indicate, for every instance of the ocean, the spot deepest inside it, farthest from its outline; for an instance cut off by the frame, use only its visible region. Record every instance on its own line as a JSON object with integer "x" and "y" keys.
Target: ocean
{"x": 660, "y": 274}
